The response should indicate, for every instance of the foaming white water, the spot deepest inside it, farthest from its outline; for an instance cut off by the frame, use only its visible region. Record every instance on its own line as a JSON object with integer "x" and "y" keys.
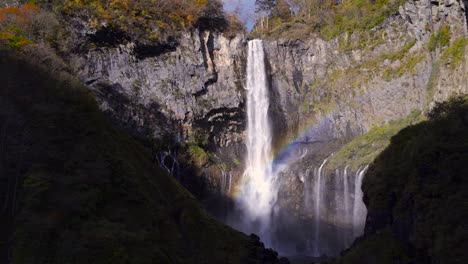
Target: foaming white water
{"x": 347, "y": 212}
{"x": 359, "y": 208}
{"x": 318, "y": 198}
{"x": 258, "y": 192}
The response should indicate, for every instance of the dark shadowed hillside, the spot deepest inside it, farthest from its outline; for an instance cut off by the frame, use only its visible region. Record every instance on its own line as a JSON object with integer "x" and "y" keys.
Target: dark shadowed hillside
{"x": 75, "y": 190}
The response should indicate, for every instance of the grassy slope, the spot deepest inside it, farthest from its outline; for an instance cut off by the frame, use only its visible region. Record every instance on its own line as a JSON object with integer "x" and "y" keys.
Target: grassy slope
{"x": 362, "y": 150}
{"x": 86, "y": 192}
{"x": 416, "y": 193}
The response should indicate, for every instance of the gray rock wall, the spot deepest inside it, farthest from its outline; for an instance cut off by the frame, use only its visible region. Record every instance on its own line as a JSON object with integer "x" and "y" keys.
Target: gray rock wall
{"x": 328, "y": 92}
{"x": 203, "y": 74}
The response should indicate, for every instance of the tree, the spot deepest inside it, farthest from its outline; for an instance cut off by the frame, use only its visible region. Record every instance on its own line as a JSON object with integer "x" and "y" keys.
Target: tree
{"x": 282, "y": 9}
{"x": 263, "y": 9}
{"x": 212, "y": 17}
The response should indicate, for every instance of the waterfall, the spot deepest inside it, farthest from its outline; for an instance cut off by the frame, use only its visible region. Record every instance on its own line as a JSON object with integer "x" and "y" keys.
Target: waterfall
{"x": 230, "y": 182}
{"x": 347, "y": 212}
{"x": 168, "y": 162}
{"x": 334, "y": 201}
{"x": 257, "y": 191}
{"x": 359, "y": 208}
{"x": 346, "y": 195}
{"x": 331, "y": 205}
{"x": 318, "y": 194}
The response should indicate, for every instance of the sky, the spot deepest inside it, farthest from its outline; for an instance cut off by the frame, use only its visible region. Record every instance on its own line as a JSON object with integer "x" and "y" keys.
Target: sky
{"x": 246, "y": 8}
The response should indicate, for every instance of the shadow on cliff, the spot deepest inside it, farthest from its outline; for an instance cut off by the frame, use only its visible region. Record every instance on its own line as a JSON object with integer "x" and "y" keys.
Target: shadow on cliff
{"x": 466, "y": 14}
{"x": 111, "y": 37}
{"x": 145, "y": 122}
{"x": 142, "y": 122}
{"x": 275, "y": 110}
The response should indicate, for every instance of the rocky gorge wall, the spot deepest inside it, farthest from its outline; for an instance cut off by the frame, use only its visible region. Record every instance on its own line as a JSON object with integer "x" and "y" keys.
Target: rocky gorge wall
{"x": 186, "y": 101}
{"x": 329, "y": 93}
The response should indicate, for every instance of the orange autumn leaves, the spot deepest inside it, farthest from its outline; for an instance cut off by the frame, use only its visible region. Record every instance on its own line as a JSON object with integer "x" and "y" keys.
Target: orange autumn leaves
{"x": 148, "y": 19}
{"x": 14, "y": 22}
{"x": 145, "y": 20}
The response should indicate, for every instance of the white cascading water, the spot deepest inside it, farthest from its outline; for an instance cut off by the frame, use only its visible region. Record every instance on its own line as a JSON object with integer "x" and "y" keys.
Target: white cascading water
{"x": 318, "y": 198}
{"x": 257, "y": 192}
{"x": 347, "y": 212}
{"x": 359, "y": 208}
{"x": 338, "y": 200}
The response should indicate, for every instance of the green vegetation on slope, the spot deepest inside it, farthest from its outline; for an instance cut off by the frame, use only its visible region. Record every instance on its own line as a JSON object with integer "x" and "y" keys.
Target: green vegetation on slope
{"x": 75, "y": 190}
{"x": 453, "y": 56}
{"x": 439, "y": 39}
{"x": 364, "y": 149}
{"x": 150, "y": 20}
{"x": 416, "y": 193}
{"x": 455, "y": 53}
{"x": 341, "y": 82}
{"x": 142, "y": 21}
{"x": 295, "y": 18}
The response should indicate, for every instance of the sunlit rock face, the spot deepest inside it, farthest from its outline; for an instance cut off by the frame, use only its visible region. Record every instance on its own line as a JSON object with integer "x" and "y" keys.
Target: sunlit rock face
{"x": 324, "y": 94}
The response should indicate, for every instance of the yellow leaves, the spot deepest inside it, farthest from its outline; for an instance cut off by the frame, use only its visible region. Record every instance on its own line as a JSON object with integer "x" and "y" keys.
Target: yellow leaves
{"x": 29, "y": 8}
{"x": 4, "y": 36}
{"x": 13, "y": 40}
{"x": 14, "y": 23}
{"x": 22, "y": 14}
{"x": 94, "y": 23}
{"x": 106, "y": 15}
{"x": 21, "y": 42}
{"x": 119, "y": 4}
{"x": 136, "y": 16}
{"x": 200, "y": 3}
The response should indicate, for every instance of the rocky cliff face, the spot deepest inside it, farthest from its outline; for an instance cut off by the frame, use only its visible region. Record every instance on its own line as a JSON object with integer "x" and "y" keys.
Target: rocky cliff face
{"x": 185, "y": 99}
{"x": 364, "y": 79}
{"x": 198, "y": 79}
{"x": 326, "y": 93}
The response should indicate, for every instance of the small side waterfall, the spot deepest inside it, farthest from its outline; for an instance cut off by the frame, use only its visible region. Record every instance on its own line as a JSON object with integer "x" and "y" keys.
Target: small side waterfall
{"x": 318, "y": 203}
{"x": 359, "y": 208}
{"x": 167, "y": 160}
{"x": 334, "y": 200}
{"x": 257, "y": 190}
{"x": 347, "y": 212}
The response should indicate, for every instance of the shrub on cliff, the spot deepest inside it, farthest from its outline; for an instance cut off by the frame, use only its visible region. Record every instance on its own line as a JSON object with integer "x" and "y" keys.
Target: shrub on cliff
{"x": 328, "y": 18}
{"x": 144, "y": 21}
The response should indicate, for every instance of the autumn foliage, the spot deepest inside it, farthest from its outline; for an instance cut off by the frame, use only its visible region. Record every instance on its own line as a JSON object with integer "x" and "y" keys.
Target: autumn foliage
{"x": 14, "y": 24}
{"x": 149, "y": 19}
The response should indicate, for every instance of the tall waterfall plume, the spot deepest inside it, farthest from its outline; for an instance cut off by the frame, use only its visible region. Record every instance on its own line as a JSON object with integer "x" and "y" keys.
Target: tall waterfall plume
{"x": 258, "y": 192}
{"x": 333, "y": 213}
